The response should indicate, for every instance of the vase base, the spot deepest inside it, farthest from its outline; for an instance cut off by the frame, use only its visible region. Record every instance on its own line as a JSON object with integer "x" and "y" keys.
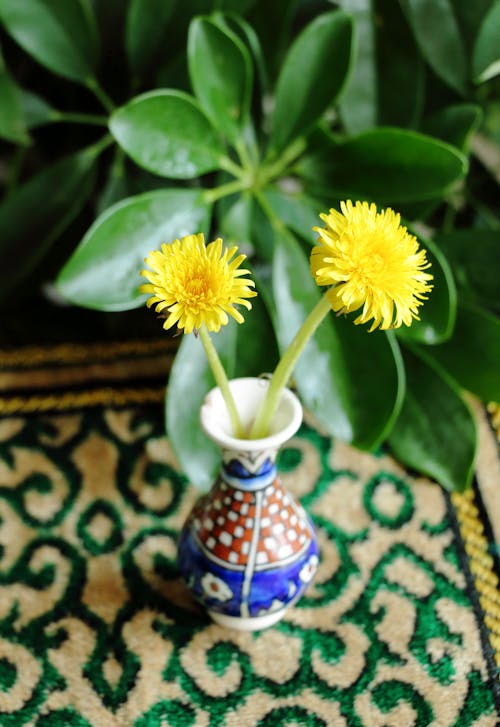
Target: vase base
{"x": 241, "y": 623}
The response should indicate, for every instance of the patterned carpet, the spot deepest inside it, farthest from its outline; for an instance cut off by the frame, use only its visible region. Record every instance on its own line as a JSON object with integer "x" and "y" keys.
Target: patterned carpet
{"x": 400, "y": 628}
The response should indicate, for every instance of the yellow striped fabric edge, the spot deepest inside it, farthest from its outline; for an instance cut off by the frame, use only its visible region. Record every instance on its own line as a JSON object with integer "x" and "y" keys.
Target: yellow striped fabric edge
{"x": 494, "y": 412}
{"x": 480, "y": 563}
{"x": 81, "y": 352}
{"x": 77, "y": 399}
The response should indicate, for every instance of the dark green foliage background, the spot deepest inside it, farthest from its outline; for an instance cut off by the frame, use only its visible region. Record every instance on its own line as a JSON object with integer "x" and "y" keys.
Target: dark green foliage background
{"x": 125, "y": 125}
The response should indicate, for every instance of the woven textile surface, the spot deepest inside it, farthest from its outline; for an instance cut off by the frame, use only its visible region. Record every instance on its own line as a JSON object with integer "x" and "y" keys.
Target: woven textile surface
{"x": 400, "y": 627}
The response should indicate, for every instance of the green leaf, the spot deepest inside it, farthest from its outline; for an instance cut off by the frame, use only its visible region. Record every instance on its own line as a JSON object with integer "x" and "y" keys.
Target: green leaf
{"x": 486, "y": 55}
{"x": 389, "y": 166}
{"x": 296, "y": 211}
{"x": 116, "y": 186}
{"x": 58, "y": 34}
{"x": 358, "y": 105}
{"x": 438, "y": 36}
{"x": 351, "y": 380}
{"x": 104, "y": 271}
{"x": 36, "y": 111}
{"x": 435, "y": 431}
{"x": 469, "y": 18}
{"x": 189, "y": 381}
{"x": 12, "y": 123}
{"x": 398, "y": 59}
{"x": 166, "y": 133}
{"x": 273, "y": 23}
{"x": 235, "y": 219}
{"x": 475, "y": 259}
{"x": 454, "y": 124}
{"x": 471, "y": 356}
{"x": 312, "y": 76}
{"x": 237, "y": 6}
{"x": 253, "y": 357}
{"x": 221, "y": 73}
{"x": 33, "y": 216}
{"x": 437, "y": 315}
{"x": 251, "y": 40}
{"x": 147, "y": 21}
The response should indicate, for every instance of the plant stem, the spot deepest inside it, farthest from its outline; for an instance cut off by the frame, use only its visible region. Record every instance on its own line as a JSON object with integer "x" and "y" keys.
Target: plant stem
{"x": 76, "y": 118}
{"x": 280, "y": 165}
{"x": 229, "y": 166}
{"x": 15, "y": 170}
{"x": 100, "y": 146}
{"x": 221, "y": 381}
{"x": 244, "y": 155}
{"x": 100, "y": 94}
{"x": 237, "y": 185}
{"x": 284, "y": 369}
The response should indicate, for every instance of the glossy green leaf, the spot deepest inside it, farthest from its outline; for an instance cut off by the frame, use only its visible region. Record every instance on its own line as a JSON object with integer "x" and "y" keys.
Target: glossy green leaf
{"x": 237, "y": 6}
{"x": 469, "y": 18}
{"x": 454, "y": 124}
{"x": 486, "y": 56}
{"x": 386, "y": 165}
{"x": 147, "y": 21}
{"x": 59, "y": 34}
{"x": 351, "y": 380}
{"x": 273, "y": 23}
{"x": 116, "y": 186}
{"x": 104, "y": 271}
{"x": 12, "y": 123}
{"x": 79, "y": 21}
{"x": 296, "y": 211}
{"x": 435, "y": 432}
{"x": 312, "y": 76}
{"x": 34, "y": 215}
{"x": 398, "y": 59}
{"x": 36, "y": 111}
{"x": 251, "y": 40}
{"x": 235, "y": 219}
{"x": 437, "y": 315}
{"x": 471, "y": 356}
{"x": 358, "y": 105}
{"x": 475, "y": 259}
{"x": 257, "y": 349}
{"x": 189, "y": 381}
{"x": 221, "y": 74}
{"x": 438, "y": 36}
{"x": 166, "y": 133}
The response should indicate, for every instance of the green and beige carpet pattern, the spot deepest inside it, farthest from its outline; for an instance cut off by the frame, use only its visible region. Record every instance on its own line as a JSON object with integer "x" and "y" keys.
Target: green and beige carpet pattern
{"x": 400, "y": 628}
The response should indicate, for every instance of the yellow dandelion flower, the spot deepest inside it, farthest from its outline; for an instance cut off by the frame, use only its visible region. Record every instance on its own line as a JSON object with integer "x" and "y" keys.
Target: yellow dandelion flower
{"x": 372, "y": 262}
{"x": 196, "y": 284}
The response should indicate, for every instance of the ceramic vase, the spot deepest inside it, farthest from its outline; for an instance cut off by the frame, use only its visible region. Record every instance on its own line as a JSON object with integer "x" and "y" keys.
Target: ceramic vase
{"x": 248, "y": 550}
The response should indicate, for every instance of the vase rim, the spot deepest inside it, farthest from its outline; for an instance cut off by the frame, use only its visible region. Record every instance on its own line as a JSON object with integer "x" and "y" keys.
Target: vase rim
{"x": 215, "y": 421}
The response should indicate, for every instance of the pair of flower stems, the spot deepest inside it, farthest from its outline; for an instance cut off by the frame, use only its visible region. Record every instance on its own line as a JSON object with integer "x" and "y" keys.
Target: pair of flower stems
{"x": 279, "y": 379}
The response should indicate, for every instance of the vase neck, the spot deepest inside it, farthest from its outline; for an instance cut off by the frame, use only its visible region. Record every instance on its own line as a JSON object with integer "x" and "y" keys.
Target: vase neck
{"x": 251, "y": 470}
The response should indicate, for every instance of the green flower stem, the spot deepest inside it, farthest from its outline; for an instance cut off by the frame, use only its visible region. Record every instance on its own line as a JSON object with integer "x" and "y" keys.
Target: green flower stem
{"x": 221, "y": 381}
{"x": 237, "y": 185}
{"x": 284, "y": 369}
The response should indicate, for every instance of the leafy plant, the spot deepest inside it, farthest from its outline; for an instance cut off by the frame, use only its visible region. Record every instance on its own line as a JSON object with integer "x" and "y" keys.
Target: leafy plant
{"x": 247, "y": 120}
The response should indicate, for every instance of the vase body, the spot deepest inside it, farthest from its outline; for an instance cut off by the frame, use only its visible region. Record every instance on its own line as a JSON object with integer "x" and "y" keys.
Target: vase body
{"x": 248, "y": 550}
